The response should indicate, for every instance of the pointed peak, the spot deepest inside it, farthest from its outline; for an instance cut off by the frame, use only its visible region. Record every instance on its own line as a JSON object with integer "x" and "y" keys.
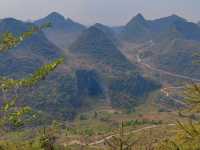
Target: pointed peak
{"x": 106, "y": 29}
{"x": 139, "y": 16}
{"x": 99, "y": 25}
{"x": 137, "y": 19}
{"x": 69, "y": 20}
{"x": 93, "y": 28}
{"x": 55, "y": 15}
{"x": 93, "y": 32}
{"x": 174, "y": 16}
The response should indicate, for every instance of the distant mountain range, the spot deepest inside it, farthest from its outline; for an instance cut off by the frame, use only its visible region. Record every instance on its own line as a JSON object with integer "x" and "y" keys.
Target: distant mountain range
{"x": 100, "y": 64}
{"x": 141, "y": 29}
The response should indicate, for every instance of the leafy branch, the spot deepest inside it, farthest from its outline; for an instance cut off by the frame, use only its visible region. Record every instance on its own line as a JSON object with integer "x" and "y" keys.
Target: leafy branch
{"x": 7, "y": 84}
{"x": 9, "y": 40}
{"x": 10, "y": 113}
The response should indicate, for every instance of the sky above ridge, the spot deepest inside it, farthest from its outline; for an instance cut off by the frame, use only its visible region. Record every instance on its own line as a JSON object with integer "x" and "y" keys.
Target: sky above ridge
{"x": 110, "y": 12}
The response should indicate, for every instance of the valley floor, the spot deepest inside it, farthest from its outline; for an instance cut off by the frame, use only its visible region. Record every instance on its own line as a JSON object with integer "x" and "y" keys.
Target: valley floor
{"x": 91, "y": 130}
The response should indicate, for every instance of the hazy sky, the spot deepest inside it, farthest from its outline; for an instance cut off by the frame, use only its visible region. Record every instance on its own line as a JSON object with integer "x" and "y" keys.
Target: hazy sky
{"x": 111, "y": 12}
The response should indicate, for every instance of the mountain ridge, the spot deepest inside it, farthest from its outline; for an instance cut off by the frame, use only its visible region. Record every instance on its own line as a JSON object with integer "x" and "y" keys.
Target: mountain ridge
{"x": 63, "y": 31}
{"x": 140, "y": 29}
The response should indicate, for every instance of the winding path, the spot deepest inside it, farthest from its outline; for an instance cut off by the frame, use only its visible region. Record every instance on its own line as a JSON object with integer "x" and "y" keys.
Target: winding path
{"x": 110, "y": 136}
{"x": 134, "y": 131}
{"x": 139, "y": 60}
